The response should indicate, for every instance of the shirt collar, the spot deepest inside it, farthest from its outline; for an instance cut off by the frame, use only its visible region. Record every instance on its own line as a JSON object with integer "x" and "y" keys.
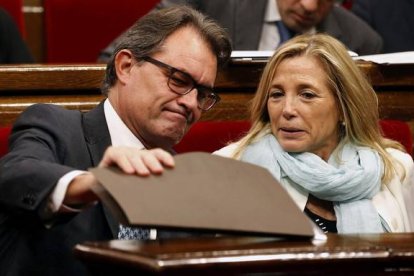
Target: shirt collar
{"x": 120, "y": 134}
{"x": 272, "y": 12}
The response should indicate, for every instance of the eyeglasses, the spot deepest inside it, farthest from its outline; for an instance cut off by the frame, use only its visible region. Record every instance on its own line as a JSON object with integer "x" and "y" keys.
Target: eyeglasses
{"x": 182, "y": 83}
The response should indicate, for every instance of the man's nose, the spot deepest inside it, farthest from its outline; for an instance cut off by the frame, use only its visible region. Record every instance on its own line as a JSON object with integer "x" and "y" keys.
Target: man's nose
{"x": 310, "y": 5}
{"x": 189, "y": 100}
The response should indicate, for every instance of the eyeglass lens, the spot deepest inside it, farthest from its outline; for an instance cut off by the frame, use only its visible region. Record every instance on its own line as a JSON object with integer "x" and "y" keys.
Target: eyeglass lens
{"x": 182, "y": 84}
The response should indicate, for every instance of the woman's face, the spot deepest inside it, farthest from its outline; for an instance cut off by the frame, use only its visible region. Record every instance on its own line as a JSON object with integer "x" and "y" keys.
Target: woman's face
{"x": 303, "y": 111}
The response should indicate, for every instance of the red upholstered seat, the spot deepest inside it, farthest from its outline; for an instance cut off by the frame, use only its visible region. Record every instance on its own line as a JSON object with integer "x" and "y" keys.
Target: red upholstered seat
{"x": 4, "y": 136}
{"x": 398, "y": 131}
{"x": 15, "y": 9}
{"x": 76, "y": 30}
{"x": 209, "y": 136}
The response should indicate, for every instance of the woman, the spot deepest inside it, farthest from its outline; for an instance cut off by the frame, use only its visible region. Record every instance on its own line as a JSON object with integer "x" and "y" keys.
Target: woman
{"x": 315, "y": 128}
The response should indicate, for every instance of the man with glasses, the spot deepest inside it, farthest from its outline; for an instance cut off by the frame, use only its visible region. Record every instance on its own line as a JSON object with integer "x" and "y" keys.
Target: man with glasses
{"x": 158, "y": 83}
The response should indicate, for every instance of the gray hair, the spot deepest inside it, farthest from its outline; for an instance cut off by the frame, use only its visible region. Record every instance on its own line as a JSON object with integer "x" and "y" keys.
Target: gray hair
{"x": 148, "y": 34}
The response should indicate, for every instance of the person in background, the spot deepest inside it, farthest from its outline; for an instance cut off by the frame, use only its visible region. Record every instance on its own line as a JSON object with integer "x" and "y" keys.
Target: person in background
{"x": 265, "y": 24}
{"x": 315, "y": 127}
{"x": 158, "y": 83}
{"x": 392, "y": 20}
{"x": 12, "y": 47}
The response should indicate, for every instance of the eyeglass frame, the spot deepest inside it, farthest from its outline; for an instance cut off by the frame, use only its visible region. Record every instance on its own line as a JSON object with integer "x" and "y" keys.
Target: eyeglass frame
{"x": 207, "y": 91}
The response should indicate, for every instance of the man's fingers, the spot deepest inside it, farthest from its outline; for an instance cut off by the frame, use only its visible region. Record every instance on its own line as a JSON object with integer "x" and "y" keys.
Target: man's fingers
{"x": 164, "y": 157}
{"x": 142, "y": 162}
{"x": 118, "y": 157}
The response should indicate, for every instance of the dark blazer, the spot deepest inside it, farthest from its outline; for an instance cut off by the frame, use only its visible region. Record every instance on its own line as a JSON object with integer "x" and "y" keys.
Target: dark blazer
{"x": 393, "y": 20}
{"x": 46, "y": 143}
{"x": 12, "y": 47}
{"x": 243, "y": 19}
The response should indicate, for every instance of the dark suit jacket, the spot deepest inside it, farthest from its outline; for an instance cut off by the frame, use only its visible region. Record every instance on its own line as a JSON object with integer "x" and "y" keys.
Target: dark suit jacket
{"x": 243, "y": 19}
{"x": 46, "y": 143}
{"x": 393, "y": 20}
{"x": 12, "y": 47}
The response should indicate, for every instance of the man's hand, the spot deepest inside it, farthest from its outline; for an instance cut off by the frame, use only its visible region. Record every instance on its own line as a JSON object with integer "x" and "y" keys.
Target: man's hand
{"x": 141, "y": 162}
{"x": 130, "y": 160}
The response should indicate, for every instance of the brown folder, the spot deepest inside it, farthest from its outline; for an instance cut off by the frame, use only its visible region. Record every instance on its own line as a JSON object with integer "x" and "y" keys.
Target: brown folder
{"x": 204, "y": 192}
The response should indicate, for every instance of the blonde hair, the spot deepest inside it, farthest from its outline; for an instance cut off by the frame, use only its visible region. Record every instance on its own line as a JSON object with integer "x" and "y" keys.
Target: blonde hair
{"x": 356, "y": 98}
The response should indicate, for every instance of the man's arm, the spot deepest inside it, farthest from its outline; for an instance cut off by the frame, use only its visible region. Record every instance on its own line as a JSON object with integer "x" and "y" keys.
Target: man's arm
{"x": 46, "y": 144}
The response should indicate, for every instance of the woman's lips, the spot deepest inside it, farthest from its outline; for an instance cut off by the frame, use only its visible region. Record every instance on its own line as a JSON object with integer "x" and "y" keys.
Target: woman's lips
{"x": 291, "y": 132}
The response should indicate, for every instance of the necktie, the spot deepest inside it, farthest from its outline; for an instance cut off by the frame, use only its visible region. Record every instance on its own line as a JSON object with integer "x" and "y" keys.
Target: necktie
{"x": 284, "y": 33}
{"x": 133, "y": 233}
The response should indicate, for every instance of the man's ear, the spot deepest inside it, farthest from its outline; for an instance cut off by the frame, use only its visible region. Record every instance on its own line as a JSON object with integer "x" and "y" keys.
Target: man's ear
{"x": 124, "y": 62}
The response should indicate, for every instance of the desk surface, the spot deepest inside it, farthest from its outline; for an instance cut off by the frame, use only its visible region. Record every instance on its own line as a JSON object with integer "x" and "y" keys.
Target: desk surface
{"x": 356, "y": 254}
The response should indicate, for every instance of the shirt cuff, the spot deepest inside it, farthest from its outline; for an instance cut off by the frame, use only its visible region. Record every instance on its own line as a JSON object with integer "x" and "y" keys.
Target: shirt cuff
{"x": 59, "y": 192}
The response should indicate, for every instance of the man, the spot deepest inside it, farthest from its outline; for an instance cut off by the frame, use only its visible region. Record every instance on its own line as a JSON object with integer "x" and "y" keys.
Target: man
{"x": 264, "y": 24}
{"x": 157, "y": 85}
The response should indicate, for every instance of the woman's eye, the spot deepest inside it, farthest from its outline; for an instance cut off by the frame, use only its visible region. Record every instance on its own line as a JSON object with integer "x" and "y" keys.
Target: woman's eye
{"x": 308, "y": 95}
{"x": 275, "y": 94}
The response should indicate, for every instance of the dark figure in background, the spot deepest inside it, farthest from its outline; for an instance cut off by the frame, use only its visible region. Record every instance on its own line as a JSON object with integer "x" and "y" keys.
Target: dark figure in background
{"x": 393, "y": 21}
{"x": 12, "y": 47}
{"x": 157, "y": 84}
{"x": 265, "y": 24}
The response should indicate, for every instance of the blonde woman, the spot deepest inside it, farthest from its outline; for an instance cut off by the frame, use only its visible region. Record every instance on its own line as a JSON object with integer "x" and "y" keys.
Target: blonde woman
{"x": 315, "y": 128}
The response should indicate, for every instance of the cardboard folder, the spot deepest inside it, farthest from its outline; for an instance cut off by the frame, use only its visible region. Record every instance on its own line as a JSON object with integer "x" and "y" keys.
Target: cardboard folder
{"x": 204, "y": 192}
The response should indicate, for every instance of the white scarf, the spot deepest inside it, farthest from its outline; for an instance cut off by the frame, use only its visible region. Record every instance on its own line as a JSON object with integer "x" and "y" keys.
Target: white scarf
{"x": 350, "y": 184}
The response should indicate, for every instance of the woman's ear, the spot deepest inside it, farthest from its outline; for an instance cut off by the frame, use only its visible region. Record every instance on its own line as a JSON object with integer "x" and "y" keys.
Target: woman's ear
{"x": 124, "y": 62}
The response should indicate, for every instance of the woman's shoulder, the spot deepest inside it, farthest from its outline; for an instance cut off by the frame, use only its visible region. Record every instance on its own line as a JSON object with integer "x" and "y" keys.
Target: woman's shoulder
{"x": 227, "y": 151}
{"x": 403, "y": 157}
{"x": 405, "y": 169}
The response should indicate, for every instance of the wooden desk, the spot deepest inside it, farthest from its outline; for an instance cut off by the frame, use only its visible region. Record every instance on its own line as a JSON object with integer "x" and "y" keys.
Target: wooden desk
{"x": 77, "y": 87}
{"x": 341, "y": 254}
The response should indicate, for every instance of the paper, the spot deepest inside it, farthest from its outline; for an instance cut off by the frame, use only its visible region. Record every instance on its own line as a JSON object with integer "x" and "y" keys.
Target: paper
{"x": 392, "y": 58}
{"x": 262, "y": 55}
{"x": 251, "y": 55}
{"x": 204, "y": 192}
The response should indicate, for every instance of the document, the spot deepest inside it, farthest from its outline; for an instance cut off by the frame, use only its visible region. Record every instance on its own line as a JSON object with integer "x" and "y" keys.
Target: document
{"x": 204, "y": 192}
{"x": 261, "y": 55}
{"x": 391, "y": 58}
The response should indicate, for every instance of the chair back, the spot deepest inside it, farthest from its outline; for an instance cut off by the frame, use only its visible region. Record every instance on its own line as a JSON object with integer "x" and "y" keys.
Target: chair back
{"x": 77, "y": 30}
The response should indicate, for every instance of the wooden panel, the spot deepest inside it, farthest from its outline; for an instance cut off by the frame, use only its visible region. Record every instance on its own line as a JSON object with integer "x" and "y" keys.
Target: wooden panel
{"x": 340, "y": 254}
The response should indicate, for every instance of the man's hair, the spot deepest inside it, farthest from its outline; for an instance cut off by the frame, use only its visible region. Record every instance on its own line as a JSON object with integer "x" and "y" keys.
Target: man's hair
{"x": 356, "y": 99}
{"x": 148, "y": 34}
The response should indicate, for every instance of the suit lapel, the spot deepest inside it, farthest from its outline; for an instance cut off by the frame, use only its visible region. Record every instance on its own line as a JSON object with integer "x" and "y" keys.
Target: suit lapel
{"x": 96, "y": 133}
{"x": 248, "y": 23}
{"x": 98, "y": 139}
{"x": 330, "y": 25}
